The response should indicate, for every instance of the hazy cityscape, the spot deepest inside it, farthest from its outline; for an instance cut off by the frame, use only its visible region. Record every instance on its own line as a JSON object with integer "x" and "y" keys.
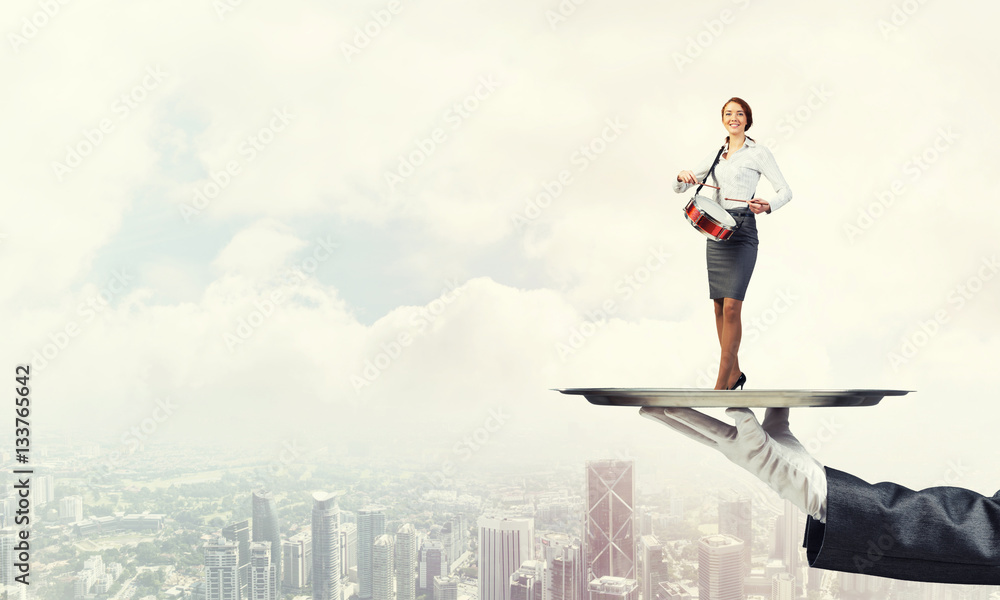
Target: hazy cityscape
{"x": 144, "y": 526}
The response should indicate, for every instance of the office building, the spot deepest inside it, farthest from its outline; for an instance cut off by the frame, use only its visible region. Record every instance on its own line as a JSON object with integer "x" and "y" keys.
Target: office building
{"x": 265, "y": 528}
{"x": 652, "y": 565}
{"x": 783, "y": 587}
{"x": 720, "y": 568}
{"x": 565, "y": 574}
{"x": 8, "y": 539}
{"x": 70, "y": 509}
{"x": 431, "y": 563}
{"x": 445, "y": 587}
{"x": 609, "y": 531}
{"x": 668, "y": 590}
{"x": 325, "y": 534}
{"x": 296, "y": 558}
{"x": 383, "y": 569}
{"x": 613, "y": 588}
{"x": 348, "y": 550}
{"x": 406, "y": 563}
{"x": 736, "y": 519}
{"x": 504, "y": 543}
{"x": 371, "y": 525}
{"x": 239, "y": 532}
{"x": 263, "y": 579}
{"x": 528, "y": 582}
{"x": 221, "y": 570}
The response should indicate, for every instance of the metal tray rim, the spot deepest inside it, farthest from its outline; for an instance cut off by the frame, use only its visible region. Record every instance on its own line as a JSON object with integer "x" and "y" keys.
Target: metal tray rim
{"x": 705, "y": 398}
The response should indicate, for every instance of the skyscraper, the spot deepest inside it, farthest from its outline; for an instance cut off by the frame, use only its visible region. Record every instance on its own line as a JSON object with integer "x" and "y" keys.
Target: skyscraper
{"x": 40, "y": 492}
{"x": 610, "y": 541}
{"x": 348, "y": 550}
{"x": 458, "y": 535}
{"x": 791, "y": 534}
{"x": 383, "y": 570}
{"x": 265, "y": 528}
{"x": 528, "y": 582}
{"x": 736, "y": 519}
{"x": 7, "y": 542}
{"x": 504, "y": 543}
{"x": 70, "y": 509}
{"x": 296, "y": 558}
{"x": 431, "y": 563}
{"x": 406, "y": 563}
{"x": 720, "y": 568}
{"x": 239, "y": 532}
{"x": 371, "y": 524}
{"x": 445, "y": 587}
{"x": 262, "y": 574}
{"x": 613, "y": 588}
{"x": 652, "y": 567}
{"x": 221, "y": 576}
{"x": 783, "y": 587}
{"x": 564, "y": 567}
{"x": 325, "y": 547}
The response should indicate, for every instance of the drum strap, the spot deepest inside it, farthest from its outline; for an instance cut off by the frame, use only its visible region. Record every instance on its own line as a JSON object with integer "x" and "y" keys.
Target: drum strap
{"x": 711, "y": 173}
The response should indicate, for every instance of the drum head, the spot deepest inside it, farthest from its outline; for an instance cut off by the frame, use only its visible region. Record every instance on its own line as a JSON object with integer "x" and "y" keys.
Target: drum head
{"x": 714, "y": 210}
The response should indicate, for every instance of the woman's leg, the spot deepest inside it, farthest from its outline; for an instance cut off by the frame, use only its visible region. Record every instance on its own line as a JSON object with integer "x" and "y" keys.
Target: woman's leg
{"x": 730, "y": 329}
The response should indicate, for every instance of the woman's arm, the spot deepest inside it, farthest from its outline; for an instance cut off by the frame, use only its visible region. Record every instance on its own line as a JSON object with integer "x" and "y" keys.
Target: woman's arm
{"x": 769, "y": 168}
{"x": 942, "y": 534}
{"x": 700, "y": 172}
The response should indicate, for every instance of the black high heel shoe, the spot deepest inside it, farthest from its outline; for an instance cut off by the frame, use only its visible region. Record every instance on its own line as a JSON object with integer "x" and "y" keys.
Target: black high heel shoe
{"x": 740, "y": 381}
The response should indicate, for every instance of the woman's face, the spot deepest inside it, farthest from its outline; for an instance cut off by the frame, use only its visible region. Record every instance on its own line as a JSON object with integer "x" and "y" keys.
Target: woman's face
{"x": 734, "y": 118}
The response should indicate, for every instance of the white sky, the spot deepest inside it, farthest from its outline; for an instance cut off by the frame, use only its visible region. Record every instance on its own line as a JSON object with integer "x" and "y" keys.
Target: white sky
{"x": 845, "y": 102}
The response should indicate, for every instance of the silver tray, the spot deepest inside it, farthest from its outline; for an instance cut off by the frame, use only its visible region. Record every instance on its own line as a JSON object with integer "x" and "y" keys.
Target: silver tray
{"x": 726, "y": 398}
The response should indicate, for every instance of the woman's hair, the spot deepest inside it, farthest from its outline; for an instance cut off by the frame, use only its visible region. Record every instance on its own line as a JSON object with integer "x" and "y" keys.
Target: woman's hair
{"x": 746, "y": 110}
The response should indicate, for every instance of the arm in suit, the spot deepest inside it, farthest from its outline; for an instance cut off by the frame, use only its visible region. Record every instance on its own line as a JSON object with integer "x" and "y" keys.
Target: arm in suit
{"x": 941, "y": 534}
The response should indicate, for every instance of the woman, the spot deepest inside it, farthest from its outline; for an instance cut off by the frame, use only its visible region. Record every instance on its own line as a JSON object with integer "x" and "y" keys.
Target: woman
{"x": 731, "y": 262}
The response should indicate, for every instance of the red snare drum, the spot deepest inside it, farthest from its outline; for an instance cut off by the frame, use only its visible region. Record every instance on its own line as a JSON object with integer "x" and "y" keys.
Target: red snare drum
{"x": 710, "y": 218}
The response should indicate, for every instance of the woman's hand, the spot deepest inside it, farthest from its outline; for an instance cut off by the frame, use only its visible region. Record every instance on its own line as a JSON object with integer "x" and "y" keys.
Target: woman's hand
{"x": 686, "y": 177}
{"x": 759, "y": 206}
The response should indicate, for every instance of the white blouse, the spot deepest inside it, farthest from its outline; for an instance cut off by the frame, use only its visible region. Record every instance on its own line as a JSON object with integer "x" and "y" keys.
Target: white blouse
{"x": 738, "y": 176}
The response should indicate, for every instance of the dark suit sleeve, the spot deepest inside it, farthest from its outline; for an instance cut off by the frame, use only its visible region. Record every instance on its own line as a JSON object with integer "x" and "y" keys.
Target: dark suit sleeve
{"x": 942, "y": 534}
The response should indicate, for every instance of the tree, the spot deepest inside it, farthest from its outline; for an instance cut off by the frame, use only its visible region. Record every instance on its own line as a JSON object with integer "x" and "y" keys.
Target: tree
{"x": 147, "y": 554}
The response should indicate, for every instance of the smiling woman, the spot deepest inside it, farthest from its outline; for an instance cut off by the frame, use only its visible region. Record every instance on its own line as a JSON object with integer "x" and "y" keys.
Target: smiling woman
{"x": 736, "y": 169}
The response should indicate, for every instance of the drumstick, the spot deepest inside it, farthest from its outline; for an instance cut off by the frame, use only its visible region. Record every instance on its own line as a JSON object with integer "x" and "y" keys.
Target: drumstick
{"x": 730, "y": 199}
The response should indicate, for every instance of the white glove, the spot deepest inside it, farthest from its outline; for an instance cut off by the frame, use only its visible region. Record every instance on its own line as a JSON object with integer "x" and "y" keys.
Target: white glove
{"x": 771, "y": 452}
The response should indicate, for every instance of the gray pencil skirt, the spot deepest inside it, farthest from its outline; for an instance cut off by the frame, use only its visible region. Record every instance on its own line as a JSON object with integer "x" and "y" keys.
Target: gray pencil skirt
{"x": 731, "y": 262}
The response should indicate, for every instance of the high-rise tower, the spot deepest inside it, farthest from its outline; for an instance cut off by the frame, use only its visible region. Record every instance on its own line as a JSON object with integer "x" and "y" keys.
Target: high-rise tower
{"x": 564, "y": 568}
{"x": 610, "y": 539}
{"x": 720, "y": 568}
{"x": 265, "y": 528}
{"x": 383, "y": 570}
{"x": 504, "y": 543}
{"x": 735, "y": 519}
{"x": 371, "y": 524}
{"x": 325, "y": 547}
{"x": 221, "y": 570}
{"x": 406, "y": 563}
{"x": 262, "y": 574}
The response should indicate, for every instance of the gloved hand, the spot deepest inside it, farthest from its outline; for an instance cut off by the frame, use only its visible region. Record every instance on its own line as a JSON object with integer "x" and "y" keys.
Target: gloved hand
{"x": 770, "y": 452}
